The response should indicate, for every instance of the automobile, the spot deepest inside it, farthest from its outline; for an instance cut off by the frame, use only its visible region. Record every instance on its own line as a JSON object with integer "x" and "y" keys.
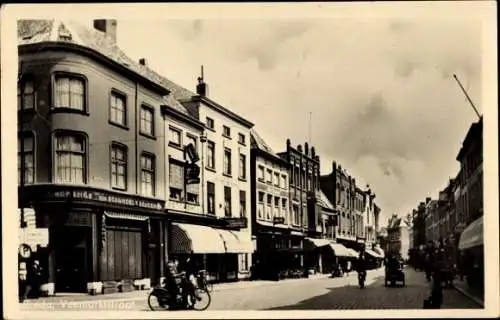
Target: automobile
{"x": 394, "y": 272}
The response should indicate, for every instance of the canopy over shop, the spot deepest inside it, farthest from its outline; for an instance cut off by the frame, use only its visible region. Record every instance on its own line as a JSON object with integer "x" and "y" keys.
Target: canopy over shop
{"x": 472, "y": 236}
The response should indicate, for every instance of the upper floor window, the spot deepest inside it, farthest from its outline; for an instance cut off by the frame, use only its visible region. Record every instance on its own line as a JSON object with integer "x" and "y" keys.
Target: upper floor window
{"x": 28, "y": 157}
{"x": 118, "y": 109}
{"x": 210, "y": 197}
{"x": 69, "y": 92}
{"x": 283, "y": 181}
{"x": 210, "y": 155}
{"x": 175, "y": 137}
{"x": 70, "y": 158}
{"x": 241, "y": 138}
{"x": 226, "y": 131}
{"x": 243, "y": 167}
{"x": 176, "y": 180}
{"x": 27, "y": 97}
{"x": 227, "y": 161}
{"x": 260, "y": 173}
{"x": 119, "y": 166}
{"x": 147, "y": 121}
{"x": 243, "y": 204}
{"x": 227, "y": 201}
{"x": 260, "y": 208}
{"x": 210, "y": 123}
{"x": 269, "y": 176}
{"x": 148, "y": 168}
{"x": 276, "y": 179}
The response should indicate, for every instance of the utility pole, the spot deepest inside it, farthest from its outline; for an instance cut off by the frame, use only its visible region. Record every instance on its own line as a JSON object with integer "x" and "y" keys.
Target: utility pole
{"x": 467, "y": 96}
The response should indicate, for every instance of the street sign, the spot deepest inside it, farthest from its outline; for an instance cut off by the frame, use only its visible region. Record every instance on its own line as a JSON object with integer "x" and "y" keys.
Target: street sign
{"x": 24, "y": 251}
{"x": 191, "y": 153}
{"x": 192, "y": 173}
{"x": 35, "y": 236}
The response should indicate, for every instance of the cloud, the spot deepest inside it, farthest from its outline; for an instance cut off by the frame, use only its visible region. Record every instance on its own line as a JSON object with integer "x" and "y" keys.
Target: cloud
{"x": 383, "y": 100}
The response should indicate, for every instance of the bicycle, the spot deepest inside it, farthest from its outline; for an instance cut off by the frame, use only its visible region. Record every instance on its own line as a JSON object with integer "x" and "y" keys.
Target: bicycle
{"x": 166, "y": 301}
{"x": 203, "y": 283}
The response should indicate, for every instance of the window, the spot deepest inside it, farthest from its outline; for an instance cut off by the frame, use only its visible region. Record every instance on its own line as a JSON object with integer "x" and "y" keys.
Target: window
{"x": 276, "y": 212}
{"x": 243, "y": 261}
{"x": 118, "y": 167}
{"x": 210, "y": 123}
{"x": 227, "y": 201}
{"x": 276, "y": 179}
{"x": 28, "y": 155}
{"x": 176, "y": 181}
{"x": 211, "y": 197}
{"x": 295, "y": 216}
{"x": 70, "y": 158}
{"x": 210, "y": 155}
{"x": 260, "y": 209}
{"x": 148, "y": 167}
{"x": 297, "y": 177}
{"x": 69, "y": 92}
{"x": 260, "y": 174}
{"x": 269, "y": 175}
{"x": 243, "y": 167}
{"x": 241, "y": 138}
{"x": 117, "y": 110}
{"x": 147, "y": 120}
{"x": 269, "y": 206}
{"x": 283, "y": 181}
{"x": 227, "y": 161}
{"x": 243, "y": 204}
{"x": 226, "y": 131}
{"x": 284, "y": 208}
{"x": 175, "y": 137}
{"x": 28, "y": 96}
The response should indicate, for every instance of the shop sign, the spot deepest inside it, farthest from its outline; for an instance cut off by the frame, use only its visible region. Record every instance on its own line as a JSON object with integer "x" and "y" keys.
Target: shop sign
{"x": 79, "y": 219}
{"x": 235, "y": 222}
{"x": 99, "y": 196}
{"x": 35, "y": 236}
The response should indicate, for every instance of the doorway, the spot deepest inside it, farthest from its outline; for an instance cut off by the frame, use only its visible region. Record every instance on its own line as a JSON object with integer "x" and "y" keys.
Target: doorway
{"x": 71, "y": 260}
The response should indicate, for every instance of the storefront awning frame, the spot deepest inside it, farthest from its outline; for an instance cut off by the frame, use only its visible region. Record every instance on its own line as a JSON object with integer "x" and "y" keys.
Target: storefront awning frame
{"x": 197, "y": 239}
{"x": 472, "y": 236}
{"x": 235, "y": 242}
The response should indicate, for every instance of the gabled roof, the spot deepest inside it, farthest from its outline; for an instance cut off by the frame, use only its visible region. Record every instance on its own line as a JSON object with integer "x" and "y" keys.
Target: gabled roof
{"x": 39, "y": 31}
{"x": 256, "y": 141}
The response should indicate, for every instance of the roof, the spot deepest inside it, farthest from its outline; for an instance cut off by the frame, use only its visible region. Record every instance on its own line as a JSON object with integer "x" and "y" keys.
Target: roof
{"x": 474, "y": 135}
{"x": 324, "y": 202}
{"x": 256, "y": 141}
{"x": 39, "y": 31}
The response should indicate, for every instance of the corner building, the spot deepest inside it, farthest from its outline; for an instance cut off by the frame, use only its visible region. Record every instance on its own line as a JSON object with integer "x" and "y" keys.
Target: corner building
{"x": 91, "y": 126}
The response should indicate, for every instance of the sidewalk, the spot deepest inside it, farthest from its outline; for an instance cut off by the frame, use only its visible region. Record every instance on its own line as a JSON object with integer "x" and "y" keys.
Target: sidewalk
{"x": 124, "y": 296}
{"x": 463, "y": 288}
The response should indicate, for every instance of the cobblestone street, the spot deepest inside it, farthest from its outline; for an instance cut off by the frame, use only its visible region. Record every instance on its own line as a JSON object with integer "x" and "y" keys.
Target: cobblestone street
{"x": 304, "y": 294}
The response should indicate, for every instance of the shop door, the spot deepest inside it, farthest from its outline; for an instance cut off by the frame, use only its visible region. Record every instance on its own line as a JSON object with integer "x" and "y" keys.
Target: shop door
{"x": 71, "y": 261}
{"x": 124, "y": 251}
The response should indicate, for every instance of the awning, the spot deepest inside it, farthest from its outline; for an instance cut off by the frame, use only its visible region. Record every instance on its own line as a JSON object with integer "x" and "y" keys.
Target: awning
{"x": 373, "y": 253}
{"x": 318, "y": 243}
{"x": 236, "y": 242}
{"x": 191, "y": 238}
{"x": 472, "y": 236}
{"x": 126, "y": 216}
{"x": 341, "y": 251}
{"x": 379, "y": 251}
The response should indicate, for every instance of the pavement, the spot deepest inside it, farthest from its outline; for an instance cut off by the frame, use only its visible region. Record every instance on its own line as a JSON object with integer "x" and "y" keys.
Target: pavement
{"x": 463, "y": 288}
{"x": 315, "y": 293}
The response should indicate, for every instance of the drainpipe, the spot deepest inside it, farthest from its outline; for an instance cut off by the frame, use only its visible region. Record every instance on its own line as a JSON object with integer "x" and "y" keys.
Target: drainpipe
{"x": 136, "y": 138}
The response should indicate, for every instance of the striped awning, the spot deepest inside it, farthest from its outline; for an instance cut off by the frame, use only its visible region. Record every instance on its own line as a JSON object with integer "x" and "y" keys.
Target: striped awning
{"x": 125, "y": 216}
{"x": 318, "y": 243}
{"x": 236, "y": 242}
{"x": 341, "y": 251}
{"x": 353, "y": 252}
{"x": 191, "y": 238}
{"x": 472, "y": 236}
{"x": 373, "y": 253}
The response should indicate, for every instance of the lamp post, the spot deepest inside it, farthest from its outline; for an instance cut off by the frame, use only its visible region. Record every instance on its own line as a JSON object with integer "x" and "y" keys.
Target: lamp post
{"x": 203, "y": 140}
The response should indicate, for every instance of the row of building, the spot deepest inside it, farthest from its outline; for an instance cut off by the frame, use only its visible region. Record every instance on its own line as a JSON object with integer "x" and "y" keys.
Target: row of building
{"x": 454, "y": 218}
{"x": 127, "y": 169}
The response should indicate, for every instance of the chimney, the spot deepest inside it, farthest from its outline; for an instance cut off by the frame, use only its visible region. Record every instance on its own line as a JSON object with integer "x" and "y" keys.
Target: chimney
{"x": 299, "y": 148}
{"x": 142, "y": 61}
{"x": 427, "y": 200}
{"x": 201, "y": 87}
{"x": 107, "y": 26}
{"x": 313, "y": 152}
{"x": 306, "y": 148}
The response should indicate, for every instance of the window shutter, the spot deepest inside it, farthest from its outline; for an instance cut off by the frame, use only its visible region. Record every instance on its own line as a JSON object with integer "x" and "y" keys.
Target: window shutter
{"x": 176, "y": 176}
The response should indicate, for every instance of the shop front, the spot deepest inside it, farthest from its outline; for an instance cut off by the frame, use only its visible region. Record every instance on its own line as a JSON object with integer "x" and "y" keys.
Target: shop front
{"x": 216, "y": 246}
{"x": 99, "y": 241}
{"x": 471, "y": 246}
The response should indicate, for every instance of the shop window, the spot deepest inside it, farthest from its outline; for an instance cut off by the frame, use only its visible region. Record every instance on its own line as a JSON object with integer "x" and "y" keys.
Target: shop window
{"x": 243, "y": 261}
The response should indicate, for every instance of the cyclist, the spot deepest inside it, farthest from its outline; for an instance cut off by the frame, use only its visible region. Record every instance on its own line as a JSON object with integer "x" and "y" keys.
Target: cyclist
{"x": 191, "y": 269}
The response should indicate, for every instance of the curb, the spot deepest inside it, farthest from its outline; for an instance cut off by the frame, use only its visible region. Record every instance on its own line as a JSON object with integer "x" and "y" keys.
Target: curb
{"x": 470, "y": 296}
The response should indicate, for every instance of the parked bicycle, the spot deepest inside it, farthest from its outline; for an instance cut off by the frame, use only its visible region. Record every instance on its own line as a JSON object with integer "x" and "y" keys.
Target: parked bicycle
{"x": 203, "y": 282}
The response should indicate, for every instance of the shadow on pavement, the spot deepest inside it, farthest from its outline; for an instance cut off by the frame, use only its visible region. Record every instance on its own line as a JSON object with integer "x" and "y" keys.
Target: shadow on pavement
{"x": 377, "y": 296}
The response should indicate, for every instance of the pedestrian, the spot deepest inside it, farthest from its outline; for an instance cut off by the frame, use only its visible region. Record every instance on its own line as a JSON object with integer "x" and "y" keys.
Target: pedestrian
{"x": 22, "y": 280}
{"x": 33, "y": 281}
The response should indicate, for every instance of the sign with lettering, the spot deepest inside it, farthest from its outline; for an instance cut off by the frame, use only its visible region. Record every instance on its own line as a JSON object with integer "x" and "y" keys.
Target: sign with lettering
{"x": 235, "y": 222}
{"x": 100, "y": 196}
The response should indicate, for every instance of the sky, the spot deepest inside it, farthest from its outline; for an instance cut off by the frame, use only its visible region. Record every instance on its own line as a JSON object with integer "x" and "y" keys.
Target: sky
{"x": 376, "y": 95}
